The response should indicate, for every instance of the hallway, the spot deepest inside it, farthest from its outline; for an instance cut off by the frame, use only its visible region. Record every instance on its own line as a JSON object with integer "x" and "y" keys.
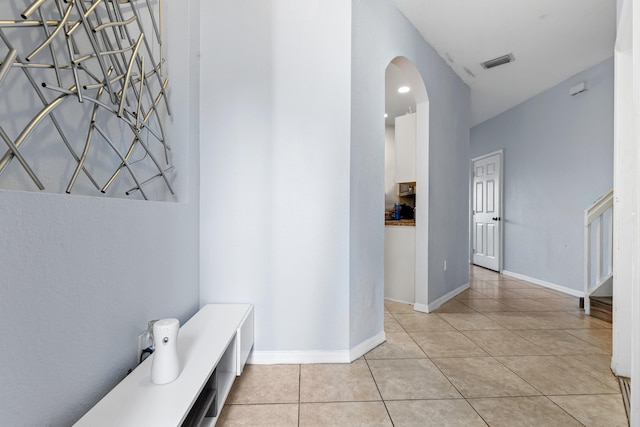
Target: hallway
{"x": 503, "y": 353}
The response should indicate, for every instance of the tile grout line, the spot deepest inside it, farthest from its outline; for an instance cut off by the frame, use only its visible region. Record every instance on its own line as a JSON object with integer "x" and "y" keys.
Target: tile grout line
{"x": 562, "y": 409}
{"x": 514, "y": 373}
{"x": 524, "y": 338}
{"x": 299, "y": 391}
{"x": 552, "y": 355}
{"x": 562, "y": 314}
{"x": 379, "y": 392}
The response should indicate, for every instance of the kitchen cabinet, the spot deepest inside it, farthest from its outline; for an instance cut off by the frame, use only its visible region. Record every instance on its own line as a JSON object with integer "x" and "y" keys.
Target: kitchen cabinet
{"x": 405, "y": 141}
{"x": 399, "y": 263}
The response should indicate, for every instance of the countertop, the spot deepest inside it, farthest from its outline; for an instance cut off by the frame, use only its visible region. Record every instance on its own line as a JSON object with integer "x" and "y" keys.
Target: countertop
{"x": 400, "y": 222}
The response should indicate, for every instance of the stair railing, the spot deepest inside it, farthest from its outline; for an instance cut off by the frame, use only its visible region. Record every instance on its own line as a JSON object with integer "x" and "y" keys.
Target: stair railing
{"x": 598, "y": 247}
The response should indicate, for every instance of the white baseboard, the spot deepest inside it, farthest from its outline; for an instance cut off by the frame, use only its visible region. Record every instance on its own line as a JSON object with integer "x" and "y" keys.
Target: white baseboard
{"x": 367, "y": 345}
{"x": 308, "y": 357}
{"x": 434, "y": 305}
{"x": 443, "y": 299}
{"x": 421, "y": 307}
{"x": 397, "y": 300}
{"x": 549, "y": 285}
{"x": 297, "y": 357}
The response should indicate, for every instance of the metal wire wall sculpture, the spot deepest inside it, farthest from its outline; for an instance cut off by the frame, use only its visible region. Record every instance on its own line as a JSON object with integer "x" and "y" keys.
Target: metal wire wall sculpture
{"x": 83, "y": 98}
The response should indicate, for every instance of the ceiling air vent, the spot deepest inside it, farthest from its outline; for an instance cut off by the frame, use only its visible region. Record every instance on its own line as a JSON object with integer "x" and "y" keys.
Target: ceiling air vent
{"x": 501, "y": 60}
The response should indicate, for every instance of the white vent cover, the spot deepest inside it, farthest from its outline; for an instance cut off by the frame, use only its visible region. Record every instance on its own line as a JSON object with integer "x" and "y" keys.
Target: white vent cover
{"x": 578, "y": 88}
{"x": 501, "y": 60}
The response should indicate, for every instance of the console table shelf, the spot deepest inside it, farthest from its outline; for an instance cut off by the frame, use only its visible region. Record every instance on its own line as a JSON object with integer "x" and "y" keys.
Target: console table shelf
{"x": 217, "y": 338}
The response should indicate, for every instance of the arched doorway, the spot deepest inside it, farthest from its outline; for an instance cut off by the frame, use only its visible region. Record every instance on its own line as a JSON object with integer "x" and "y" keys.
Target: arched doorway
{"x": 402, "y": 69}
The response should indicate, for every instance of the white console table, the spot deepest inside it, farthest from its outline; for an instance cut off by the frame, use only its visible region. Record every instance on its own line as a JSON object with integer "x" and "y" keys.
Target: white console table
{"x": 217, "y": 338}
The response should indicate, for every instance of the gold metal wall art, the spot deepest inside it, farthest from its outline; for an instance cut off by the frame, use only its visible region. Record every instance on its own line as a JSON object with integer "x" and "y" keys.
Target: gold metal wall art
{"x": 83, "y": 98}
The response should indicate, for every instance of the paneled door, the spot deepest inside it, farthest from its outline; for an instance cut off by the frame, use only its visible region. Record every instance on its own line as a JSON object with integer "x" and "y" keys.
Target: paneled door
{"x": 487, "y": 221}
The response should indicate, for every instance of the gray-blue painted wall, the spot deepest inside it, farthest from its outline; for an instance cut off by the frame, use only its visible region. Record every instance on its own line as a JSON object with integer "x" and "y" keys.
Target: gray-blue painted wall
{"x": 81, "y": 276}
{"x": 381, "y": 33}
{"x": 558, "y": 159}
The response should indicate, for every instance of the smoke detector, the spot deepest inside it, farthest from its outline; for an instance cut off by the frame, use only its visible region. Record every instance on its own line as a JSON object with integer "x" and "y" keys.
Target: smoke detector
{"x": 501, "y": 60}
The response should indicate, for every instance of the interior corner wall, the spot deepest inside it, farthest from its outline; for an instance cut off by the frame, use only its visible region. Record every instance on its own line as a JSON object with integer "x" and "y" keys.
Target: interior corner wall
{"x": 80, "y": 277}
{"x": 274, "y": 148}
{"x": 558, "y": 159}
{"x": 380, "y": 33}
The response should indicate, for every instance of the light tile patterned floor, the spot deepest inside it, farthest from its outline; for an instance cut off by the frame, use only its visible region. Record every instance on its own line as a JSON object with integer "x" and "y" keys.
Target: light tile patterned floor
{"x": 503, "y": 353}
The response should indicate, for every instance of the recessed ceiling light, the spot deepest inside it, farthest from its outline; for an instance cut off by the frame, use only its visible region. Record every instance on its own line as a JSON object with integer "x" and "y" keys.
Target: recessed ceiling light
{"x": 386, "y": 115}
{"x": 404, "y": 89}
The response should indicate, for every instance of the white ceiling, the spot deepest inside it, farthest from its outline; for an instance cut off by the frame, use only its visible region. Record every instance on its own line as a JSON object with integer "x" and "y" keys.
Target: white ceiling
{"x": 551, "y": 40}
{"x": 396, "y": 104}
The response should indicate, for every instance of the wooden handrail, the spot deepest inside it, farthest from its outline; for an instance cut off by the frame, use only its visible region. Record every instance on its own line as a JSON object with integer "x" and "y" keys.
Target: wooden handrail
{"x": 598, "y": 207}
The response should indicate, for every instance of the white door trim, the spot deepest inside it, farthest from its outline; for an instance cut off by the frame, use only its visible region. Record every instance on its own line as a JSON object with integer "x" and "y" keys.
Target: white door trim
{"x": 501, "y": 208}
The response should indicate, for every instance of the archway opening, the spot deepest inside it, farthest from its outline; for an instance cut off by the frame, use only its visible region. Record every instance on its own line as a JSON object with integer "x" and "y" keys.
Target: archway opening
{"x": 406, "y": 184}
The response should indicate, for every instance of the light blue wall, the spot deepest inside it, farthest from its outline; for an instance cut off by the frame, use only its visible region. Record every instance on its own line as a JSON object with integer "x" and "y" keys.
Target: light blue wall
{"x": 80, "y": 277}
{"x": 381, "y": 33}
{"x": 293, "y": 144}
{"x": 558, "y": 159}
{"x": 275, "y": 170}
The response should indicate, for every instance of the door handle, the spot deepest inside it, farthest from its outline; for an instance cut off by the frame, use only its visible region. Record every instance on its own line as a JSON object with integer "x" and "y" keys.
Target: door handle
{"x": 496, "y": 218}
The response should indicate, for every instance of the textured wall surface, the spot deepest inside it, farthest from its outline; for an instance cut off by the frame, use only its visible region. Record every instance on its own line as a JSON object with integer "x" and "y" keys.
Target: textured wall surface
{"x": 293, "y": 192}
{"x": 558, "y": 159}
{"x": 81, "y": 276}
{"x": 275, "y": 168}
{"x": 380, "y": 34}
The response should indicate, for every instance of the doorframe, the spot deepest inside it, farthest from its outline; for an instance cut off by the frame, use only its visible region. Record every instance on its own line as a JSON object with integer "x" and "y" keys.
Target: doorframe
{"x": 501, "y": 209}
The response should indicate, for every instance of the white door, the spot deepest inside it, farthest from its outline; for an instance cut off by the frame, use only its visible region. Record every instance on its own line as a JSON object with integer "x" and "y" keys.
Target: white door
{"x": 487, "y": 220}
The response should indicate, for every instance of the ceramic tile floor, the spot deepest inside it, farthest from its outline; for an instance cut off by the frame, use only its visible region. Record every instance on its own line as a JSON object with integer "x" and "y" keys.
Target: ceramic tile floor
{"x": 502, "y": 353}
